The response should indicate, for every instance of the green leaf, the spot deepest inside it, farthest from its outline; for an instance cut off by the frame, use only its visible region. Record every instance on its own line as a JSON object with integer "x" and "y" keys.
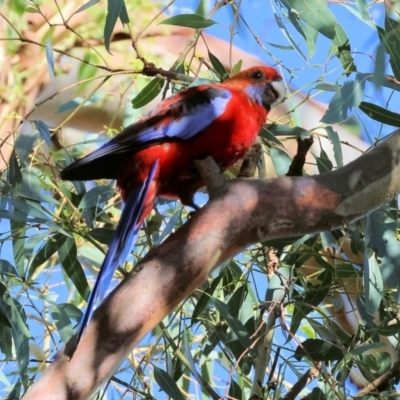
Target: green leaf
{"x": 337, "y": 146}
{"x": 380, "y": 66}
{"x": 49, "y": 247}
{"x": 72, "y": 267}
{"x": 90, "y": 3}
{"x": 14, "y": 313}
{"x": 286, "y": 130}
{"x": 62, "y": 322}
{"x": 373, "y": 284}
{"x": 50, "y": 59}
{"x": 327, "y": 87}
{"x": 77, "y": 101}
{"x": 347, "y": 97}
{"x": 148, "y": 93}
{"x": 218, "y": 66}
{"x": 115, "y": 9}
{"x": 380, "y": 114}
{"x": 44, "y": 131}
{"x": 237, "y": 67}
{"x": 314, "y": 296}
{"x": 384, "y": 240}
{"x": 280, "y": 160}
{"x": 237, "y": 327}
{"x": 24, "y": 145}
{"x": 5, "y": 337}
{"x": 189, "y": 21}
{"x": 277, "y": 288}
{"x": 102, "y": 235}
{"x": 269, "y": 136}
{"x": 6, "y": 268}
{"x": 167, "y": 384}
{"x": 286, "y": 34}
{"x": 18, "y": 229}
{"x": 96, "y": 196}
{"x": 205, "y": 297}
{"x": 392, "y": 42}
{"x": 235, "y": 391}
{"x": 363, "y": 9}
{"x": 14, "y": 174}
{"x": 317, "y": 394}
{"x": 316, "y": 14}
{"x": 341, "y": 46}
{"x": 170, "y": 225}
{"x": 366, "y": 347}
{"x": 318, "y": 350}
{"x": 324, "y": 164}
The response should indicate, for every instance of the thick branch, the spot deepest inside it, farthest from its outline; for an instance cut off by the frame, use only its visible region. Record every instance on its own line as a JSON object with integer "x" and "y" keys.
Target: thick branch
{"x": 246, "y": 212}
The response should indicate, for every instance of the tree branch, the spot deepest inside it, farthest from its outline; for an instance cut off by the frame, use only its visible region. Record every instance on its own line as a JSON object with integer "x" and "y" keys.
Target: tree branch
{"x": 246, "y": 212}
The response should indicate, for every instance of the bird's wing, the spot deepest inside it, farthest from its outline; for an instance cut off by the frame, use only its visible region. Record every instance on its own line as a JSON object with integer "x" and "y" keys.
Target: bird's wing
{"x": 179, "y": 117}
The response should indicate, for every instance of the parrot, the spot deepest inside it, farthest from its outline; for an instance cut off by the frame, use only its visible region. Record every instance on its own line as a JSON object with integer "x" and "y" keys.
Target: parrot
{"x": 154, "y": 156}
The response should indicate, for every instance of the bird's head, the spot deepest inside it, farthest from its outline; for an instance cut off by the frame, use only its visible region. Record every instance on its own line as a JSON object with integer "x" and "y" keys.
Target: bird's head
{"x": 263, "y": 84}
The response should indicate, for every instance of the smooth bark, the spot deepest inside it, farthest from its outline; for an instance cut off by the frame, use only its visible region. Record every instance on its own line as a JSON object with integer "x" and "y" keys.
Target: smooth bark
{"x": 241, "y": 212}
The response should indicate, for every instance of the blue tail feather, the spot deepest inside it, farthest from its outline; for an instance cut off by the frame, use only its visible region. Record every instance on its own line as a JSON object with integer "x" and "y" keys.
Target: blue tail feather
{"x": 120, "y": 247}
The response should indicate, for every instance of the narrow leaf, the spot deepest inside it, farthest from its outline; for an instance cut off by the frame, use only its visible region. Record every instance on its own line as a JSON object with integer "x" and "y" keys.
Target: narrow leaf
{"x": 148, "y": 93}
{"x": 218, "y": 66}
{"x": 114, "y": 8}
{"x": 90, "y": 3}
{"x": 189, "y": 21}
{"x": 167, "y": 384}
{"x": 50, "y": 59}
{"x": 72, "y": 267}
{"x": 380, "y": 114}
{"x": 49, "y": 247}
{"x": 347, "y": 97}
{"x": 96, "y": 196}
{"x": 44, "y": 131}
{"x": 337, "y": 146}
{"x": 62, "y": 322}
{"x": 318, "y": 350}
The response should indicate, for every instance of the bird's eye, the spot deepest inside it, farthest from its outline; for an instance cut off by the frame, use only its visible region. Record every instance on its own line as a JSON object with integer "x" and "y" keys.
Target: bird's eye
{"x": 258, "y": 75}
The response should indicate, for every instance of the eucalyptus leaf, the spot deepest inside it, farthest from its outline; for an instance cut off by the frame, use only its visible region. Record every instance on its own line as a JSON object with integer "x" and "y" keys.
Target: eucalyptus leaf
{"x": 148, "y": 93}
{"x": 167, "y": 384}
{"x": 189, "y": 21}
{"x": 347, "y": 97}
{"x": 380, "y": 114}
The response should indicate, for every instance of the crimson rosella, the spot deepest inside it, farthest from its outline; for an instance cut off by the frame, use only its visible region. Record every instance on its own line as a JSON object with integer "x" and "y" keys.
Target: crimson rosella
{"x": 154, "y": 156}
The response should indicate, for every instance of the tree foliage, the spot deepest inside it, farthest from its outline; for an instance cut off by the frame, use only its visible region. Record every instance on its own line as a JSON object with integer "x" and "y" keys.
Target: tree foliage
{"x": 316, "y": 314}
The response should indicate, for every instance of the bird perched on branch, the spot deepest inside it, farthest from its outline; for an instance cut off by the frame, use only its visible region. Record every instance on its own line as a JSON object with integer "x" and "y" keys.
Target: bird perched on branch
{"x": 154, "y": 156}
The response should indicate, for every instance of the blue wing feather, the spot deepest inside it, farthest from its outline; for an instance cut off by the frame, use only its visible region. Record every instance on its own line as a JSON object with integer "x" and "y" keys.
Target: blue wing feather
{"x": 120, "y": 247}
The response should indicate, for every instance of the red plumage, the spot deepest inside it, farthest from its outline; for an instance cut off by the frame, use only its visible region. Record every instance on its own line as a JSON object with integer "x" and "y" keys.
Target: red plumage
{"x": 154, "y": 157}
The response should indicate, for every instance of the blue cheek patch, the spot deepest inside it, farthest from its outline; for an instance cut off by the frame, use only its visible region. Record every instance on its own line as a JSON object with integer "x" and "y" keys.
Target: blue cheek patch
{"x": 255, "y": 92}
